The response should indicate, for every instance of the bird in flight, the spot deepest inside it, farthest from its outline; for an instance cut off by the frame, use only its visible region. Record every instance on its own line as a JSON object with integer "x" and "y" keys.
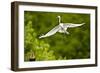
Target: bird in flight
{"x": 61, "y": 28}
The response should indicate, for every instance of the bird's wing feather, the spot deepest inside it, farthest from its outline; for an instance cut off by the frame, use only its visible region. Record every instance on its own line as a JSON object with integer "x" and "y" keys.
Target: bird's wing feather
{"x": 71, "y": 25}
{"x": 51, "y": 32}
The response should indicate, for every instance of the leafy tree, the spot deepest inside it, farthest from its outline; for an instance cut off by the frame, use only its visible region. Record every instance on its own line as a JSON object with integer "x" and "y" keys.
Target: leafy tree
{"x": 40, "y": 49}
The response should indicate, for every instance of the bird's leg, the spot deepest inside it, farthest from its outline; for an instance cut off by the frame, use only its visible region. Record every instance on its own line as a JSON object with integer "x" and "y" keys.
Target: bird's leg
{"x": 66, "y": 32}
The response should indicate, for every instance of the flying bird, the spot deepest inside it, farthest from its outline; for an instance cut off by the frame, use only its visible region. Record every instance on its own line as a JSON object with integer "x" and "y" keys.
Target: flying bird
{"x": 61, "y": 28}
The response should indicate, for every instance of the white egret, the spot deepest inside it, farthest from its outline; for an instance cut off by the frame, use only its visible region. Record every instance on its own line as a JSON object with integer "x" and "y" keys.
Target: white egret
{"x": 61, "y": 28}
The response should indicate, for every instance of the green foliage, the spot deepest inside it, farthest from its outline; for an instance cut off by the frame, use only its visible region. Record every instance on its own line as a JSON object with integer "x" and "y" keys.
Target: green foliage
{"x": 60, "y": 46}
{"x": 40, "y": 49}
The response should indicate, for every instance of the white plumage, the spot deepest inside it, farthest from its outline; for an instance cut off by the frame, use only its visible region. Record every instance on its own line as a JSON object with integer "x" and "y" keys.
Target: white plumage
{"x": 62, "y": 28}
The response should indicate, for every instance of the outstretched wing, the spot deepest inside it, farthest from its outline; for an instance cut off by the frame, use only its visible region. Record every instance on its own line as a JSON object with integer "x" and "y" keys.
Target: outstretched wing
{"x": 51, "y": 32}
{"x": 71, "y": 25}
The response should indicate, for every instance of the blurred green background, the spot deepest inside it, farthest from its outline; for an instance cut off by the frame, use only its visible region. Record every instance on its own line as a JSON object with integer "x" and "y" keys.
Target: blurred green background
{"x": 60, "y": 46}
